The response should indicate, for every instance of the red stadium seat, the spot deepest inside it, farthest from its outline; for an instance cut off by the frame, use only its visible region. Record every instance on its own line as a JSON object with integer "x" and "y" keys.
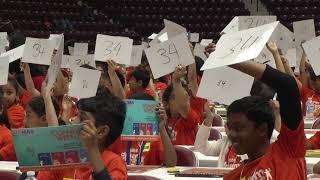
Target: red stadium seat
{"x": 185, "y": 156}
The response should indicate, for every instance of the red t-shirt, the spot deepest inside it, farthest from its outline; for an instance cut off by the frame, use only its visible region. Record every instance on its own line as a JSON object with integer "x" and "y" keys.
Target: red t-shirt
{"x": 74, "y": 109}
{"x": 152, "y": 152}
{"x": 7, "y": 150}
{"x": 184, "y": 130}
{"x": 305, "y": 94}
{"x": 315, "y": 140}
{"x": 231, "y": 159}
{"x": 113, "y": 163}
{"x": 16, "y": 114}
{"x": 37, "y": 81}
{"x": 197, "y": 104}
{"x": 25, "y": 99}
{"x": 283, "y": 160}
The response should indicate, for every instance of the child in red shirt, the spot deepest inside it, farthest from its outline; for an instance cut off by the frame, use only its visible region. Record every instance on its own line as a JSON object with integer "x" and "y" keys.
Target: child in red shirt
{"x": 311, "y": 93}
{"x": 16, "y": 112}
{"x": 96, "y": 135}
{"x": 251, "y": 121}
{"x": 183, "y": 120}
{"x": 7, "y": 152}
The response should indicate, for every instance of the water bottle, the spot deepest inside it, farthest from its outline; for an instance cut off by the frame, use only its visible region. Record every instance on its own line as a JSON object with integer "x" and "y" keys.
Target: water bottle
{"x": 31, "y": 175}
{"x": 309, "y": 110}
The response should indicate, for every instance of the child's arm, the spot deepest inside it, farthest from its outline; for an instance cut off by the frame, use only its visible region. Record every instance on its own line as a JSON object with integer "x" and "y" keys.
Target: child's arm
{"x": 170, "y": 156}
{"x": 116, "y": 84}
{"x": 51, "y": 115}
{"x": 201, "y": 144}
{"x": 276, "y": 55}
{"x": 28, "y": 81}
{"x": 66, "y": 109}
{"x": 89, "y": 139}
{"x": 192, "y": 79}
{"x": 153, "y": 89}
{"x": 285, "y": 86}
{"x": 289, "y": 71}
{"x": 302, "y": 70}
{"x": 180, "y": 94}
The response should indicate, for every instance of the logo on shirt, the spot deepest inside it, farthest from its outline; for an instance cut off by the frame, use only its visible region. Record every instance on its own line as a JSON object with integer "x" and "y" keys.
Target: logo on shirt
{"x": 260, "y": 174}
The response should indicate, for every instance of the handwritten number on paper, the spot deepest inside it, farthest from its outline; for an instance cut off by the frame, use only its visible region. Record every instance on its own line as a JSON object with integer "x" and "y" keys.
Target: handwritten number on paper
{"x": 163, "y": 53}
{"x": 221, "y": 83}
{"x": 251, "y": 24}
{"x": 37, "y": 50}
{"x": 166, "y": 54}
{"x": 241, "y": 44}
{"x": 84, "y": 84}
{"x": 111, "y": 46}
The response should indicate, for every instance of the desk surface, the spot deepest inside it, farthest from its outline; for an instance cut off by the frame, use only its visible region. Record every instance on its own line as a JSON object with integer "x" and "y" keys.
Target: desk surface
{"x": 161, "y": 173}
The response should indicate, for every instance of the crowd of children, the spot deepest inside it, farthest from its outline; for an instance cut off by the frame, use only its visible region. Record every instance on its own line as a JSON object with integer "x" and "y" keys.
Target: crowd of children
{"x": 263, "y": 135}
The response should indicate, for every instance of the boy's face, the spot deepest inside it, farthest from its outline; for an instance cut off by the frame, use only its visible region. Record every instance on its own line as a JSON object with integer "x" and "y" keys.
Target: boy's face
{"x": 102, "y": 131}
{"x": 245, "y": 136}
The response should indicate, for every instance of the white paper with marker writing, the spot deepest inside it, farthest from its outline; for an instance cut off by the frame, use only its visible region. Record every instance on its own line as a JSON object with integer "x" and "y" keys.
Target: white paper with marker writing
{"x": 84, "y": 83}
{"x": 247, "y": 22}
{"x": 4, "y": 70}
{"x": 165, "y": 57}
{"x": 38, "y": 51}
{"x": 56, "y": 62}
{"x": 14, "y": 54}
{"x": 194, "y": 37}
{"x": 312, "y": 49}
{"x": 283, "y": 37}
{"x": 303, "y": 31}
{"x": 224, "y": 85}
{"x": 291, "y": 56}
{"x": 115, "y": 48}
{"x": 80, "y": 49}
{"x": 266, "y": 57}
{"x": 233, "y": 26}
{"x": 136, "y": 55}
{"x": 72, "y": 62}
{"x": 240, "y": 46}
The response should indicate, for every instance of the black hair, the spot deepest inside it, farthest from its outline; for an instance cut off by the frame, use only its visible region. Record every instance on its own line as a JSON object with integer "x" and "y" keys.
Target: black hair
{"x": 199, "y": 64}
{"x": 105, "y": 73}
{"x": 166, "y": 94}
{"x": 261, "y": 89}
{"x": 4, "y": 119}
{"x": 142, "y": 96}
{"x": 106, "y": 109}
{"x": 142, "y": 75}
{"x": 37, "y": 105}
{"x": 257, "y": 109}
{"x": 313, "y": 75}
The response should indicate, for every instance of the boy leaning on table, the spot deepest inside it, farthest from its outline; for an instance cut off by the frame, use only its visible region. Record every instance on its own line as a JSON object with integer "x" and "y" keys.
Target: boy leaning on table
{"x": 251, "y": 121}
